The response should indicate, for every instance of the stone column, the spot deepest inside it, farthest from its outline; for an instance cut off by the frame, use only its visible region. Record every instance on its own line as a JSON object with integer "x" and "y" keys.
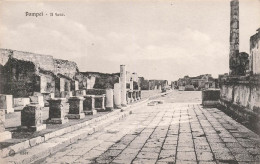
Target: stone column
{"x": 31, "y": 118}
{"x": 76, "y": 85}
{"x": 234, "y": 38}
{"x": 84, "y": 92}
{"x": 131, "y": 84}
{"x": 6, "y": 103}
{"x": 89, "y": 105}
{"x": 130, "y": 96}
{"x": 4, "y": 135}
{"x": 109, "y": 99}
{"x": 56, "y": 111}
{"x": 159, "y": 87}
{"x": 134, "y": 95}
{"x": 117, "y": 95}
{"x": 127, "y": 98}
{"x": 76, "y": 108}
{"x": 123, "y": 84}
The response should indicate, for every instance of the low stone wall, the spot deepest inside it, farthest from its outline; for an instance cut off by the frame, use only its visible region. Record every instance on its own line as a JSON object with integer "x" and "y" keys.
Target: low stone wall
{"x": 241, "y": 97}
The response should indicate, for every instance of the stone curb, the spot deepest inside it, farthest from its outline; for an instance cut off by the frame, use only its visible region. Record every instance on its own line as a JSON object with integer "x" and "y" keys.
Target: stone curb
{"x": 51, "y": 146}
{"x": 66, "y": 135}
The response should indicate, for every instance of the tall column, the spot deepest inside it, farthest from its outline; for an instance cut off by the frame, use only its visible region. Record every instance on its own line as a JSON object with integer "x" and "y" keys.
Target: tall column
{"x": 234, "y": 38}
{"x": 123, "y": 84}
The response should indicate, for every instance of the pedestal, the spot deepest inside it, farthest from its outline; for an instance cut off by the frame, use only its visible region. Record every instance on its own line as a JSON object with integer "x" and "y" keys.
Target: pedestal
{"x": 6, "y": 103}
{"x": 89, "y": 105}
{"x": 210, "y": 97}
{"x": 4, "y": 135}
{"x": 56, "y": 111}
{"x": 100, "y": 102}
{"x": 76, "y": 108}
{"x": 31, "y": 118}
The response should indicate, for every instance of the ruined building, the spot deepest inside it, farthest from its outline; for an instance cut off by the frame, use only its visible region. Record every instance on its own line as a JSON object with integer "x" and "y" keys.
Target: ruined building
{"x": 240, "y": 90}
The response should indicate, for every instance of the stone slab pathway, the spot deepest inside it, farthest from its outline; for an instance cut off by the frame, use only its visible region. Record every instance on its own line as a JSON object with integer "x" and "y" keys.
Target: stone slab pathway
{"x": 167, "y": 133}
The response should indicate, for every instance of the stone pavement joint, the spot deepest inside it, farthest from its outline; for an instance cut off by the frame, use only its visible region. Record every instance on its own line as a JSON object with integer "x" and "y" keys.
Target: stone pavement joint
{"x": 166, "y": 133}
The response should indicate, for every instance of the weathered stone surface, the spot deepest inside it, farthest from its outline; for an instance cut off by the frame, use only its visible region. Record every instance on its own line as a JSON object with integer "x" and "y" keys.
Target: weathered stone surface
{"x": 6, "y": 103}
{"x": 123, "y": 84}
{"x": 109, "y": 99}
{"x": 21, "y": 101}
{"x": 37, "y": 100}
{"x": 117, "y": 95}
{"x": 234, "y": 37}
{"x": 210, "y": 97}
{"x": 56, "y": 111}
{"x": 31, "y": 117}
{"x": 76, "y": 108}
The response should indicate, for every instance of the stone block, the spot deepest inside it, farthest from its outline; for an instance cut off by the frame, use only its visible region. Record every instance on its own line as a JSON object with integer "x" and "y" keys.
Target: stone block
{"x": 37, "y": 100}
{"x": 210, "y": 97}
{"x": 100, "y": 102}
{"x": 31, "y": 118}
{"x": 76, "y": 108}
{"x": 21, "y": 102}
{"x": 4, "y": 135}
{"x": 89, "y": 105}
{"x": 6, "y": 103}
{"x": 56, "y": 111}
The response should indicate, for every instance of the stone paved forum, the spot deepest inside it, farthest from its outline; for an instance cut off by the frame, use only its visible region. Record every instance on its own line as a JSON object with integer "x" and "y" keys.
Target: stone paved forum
{"x": 51, "y": 112}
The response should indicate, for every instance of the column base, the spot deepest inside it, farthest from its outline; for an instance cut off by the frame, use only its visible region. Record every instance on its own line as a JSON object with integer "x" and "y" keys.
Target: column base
{"x": 118, "y": 106}
{"x": 57, "y": 120}
{"x": 109, "y": 109}
{"x": 6, "y": 135}
{"x": 76, "y": 116}
{"x": 90, "y": 112}
{"x": 123, "y": 105}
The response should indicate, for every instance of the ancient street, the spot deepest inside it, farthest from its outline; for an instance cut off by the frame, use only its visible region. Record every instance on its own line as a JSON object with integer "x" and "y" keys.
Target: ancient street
{"x": 178, "y": 131}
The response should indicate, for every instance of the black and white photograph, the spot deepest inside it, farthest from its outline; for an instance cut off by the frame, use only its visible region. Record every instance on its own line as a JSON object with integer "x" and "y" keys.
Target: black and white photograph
{"x": 130, "y": 81}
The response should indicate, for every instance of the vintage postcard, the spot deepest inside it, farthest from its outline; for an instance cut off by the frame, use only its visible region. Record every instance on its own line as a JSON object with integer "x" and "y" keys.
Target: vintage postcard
{"x": 130, "y": 81}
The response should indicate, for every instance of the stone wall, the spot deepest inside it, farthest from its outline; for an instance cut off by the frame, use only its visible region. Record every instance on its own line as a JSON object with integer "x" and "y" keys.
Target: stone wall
{"x": 19, "y": 78}
{"x": 101, "y": 80}
{"x": 66, "y": 68}
{"x": 43, "y": 61}
{"x": 241, "y": 96}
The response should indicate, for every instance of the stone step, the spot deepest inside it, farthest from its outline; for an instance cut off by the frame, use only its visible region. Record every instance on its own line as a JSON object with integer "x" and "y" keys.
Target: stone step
{"x": 53, "y": 145}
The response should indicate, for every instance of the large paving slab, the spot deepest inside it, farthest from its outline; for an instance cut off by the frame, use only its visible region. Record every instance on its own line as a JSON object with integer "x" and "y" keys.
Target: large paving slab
{"x": 167, "y": 133}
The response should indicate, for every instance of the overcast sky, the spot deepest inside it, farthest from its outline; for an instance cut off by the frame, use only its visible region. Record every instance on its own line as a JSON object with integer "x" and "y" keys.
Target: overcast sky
{"x": 164, "y": 39}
